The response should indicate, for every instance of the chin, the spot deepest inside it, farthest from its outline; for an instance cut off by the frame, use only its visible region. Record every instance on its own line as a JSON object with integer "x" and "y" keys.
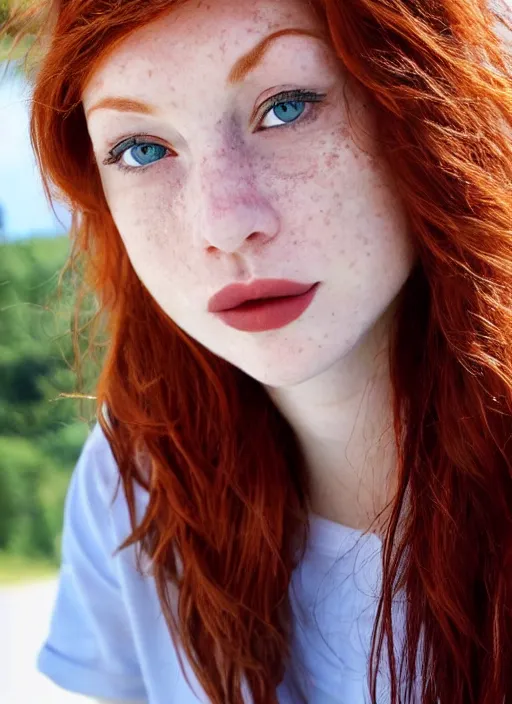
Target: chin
{"x": 289, "y": 368}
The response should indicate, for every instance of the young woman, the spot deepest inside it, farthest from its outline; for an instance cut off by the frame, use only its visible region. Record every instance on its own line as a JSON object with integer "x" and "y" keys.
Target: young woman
{"x": 296, "y": 217}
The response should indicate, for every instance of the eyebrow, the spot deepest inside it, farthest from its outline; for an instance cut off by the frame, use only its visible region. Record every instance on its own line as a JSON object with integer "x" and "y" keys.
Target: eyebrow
{"x": 242, "y": 67}
{"x": 248, "y": 62}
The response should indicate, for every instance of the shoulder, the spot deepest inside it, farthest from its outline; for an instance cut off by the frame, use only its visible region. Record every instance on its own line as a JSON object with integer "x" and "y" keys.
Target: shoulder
{"x": 96, "y": 500}
{"x": 96, "y": 474}
{"x": 90, "y": 648}
{"x": 98, "y": 453}
{"x": 94, "y": 505}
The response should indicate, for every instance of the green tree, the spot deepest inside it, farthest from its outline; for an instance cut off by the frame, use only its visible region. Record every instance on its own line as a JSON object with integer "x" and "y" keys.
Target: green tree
{"x": 40, "y": 432}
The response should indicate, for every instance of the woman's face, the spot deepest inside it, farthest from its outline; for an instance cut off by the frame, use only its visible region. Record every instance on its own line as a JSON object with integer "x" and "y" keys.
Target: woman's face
{"x": 224, "y": 187}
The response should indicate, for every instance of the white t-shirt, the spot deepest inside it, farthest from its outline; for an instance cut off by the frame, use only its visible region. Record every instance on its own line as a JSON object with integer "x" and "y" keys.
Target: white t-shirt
{"x": 108, "y": 637}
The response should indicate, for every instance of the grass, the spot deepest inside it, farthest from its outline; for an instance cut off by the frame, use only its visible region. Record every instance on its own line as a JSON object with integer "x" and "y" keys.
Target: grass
{"x": 16, "y": 570}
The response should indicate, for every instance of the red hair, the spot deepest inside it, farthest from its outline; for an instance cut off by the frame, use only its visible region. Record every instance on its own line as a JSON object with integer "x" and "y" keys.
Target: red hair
{"x": 228, "y": 496}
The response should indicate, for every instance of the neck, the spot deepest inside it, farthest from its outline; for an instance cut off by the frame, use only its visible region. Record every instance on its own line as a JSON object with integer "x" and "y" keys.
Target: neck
{"x": 343, "y": 421}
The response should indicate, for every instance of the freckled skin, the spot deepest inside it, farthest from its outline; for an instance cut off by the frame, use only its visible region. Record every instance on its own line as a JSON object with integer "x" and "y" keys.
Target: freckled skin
{"x": 309, "y": 201}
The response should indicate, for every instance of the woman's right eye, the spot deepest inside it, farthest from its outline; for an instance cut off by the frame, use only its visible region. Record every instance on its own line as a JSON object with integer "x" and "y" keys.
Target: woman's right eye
{"x": 143, "y": 154}
{"x": 136, "y": 152}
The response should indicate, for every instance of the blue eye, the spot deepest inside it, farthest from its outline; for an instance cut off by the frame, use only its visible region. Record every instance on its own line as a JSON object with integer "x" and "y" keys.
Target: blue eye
{"x": 136, "y": 152}
{"x": 287, "y": 107}
{"x": 143, "y": 154}
{"x": 288, "y": 111}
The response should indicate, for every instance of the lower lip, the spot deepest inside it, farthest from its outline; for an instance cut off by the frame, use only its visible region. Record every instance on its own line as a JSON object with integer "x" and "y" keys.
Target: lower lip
{"x": 267, "y": 314}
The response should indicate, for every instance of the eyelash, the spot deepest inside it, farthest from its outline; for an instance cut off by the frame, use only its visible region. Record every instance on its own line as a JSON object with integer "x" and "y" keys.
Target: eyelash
{"x": 305, "y": 96}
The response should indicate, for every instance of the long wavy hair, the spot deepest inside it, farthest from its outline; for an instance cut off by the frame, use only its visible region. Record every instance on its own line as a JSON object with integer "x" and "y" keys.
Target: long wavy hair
{"x": 227, "y": 517}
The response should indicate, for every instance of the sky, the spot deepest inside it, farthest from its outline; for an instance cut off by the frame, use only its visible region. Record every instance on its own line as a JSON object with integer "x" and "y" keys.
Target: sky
{"x": 26, "y": 212}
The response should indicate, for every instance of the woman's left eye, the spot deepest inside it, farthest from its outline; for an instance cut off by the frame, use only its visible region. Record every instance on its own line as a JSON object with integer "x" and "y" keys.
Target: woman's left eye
{"x": 285, "y": 112}
{"x": 286, "y": 108}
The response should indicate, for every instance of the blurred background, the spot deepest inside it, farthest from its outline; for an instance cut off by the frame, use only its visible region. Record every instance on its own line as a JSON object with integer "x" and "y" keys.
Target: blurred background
{"x": 41, "y": 431}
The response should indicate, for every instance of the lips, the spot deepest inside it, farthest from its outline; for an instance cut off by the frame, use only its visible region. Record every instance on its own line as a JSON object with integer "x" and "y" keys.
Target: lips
{"x": 263, "y": 305}
{"x": 236, "y": 294}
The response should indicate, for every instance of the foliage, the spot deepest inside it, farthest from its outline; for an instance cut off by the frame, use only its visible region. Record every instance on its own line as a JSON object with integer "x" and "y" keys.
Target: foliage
{"x": 4, "y": 11}
{"x": 41, "y": 433}
{"x": 20, "y": 23}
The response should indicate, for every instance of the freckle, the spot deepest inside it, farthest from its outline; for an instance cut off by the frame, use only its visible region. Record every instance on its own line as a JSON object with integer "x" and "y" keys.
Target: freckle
{"x": 330, "y": 159}
{"x": 327, "y": 221}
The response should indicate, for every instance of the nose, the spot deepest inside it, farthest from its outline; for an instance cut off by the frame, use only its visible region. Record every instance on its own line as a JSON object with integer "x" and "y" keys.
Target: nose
{"x": 231, "y": 208}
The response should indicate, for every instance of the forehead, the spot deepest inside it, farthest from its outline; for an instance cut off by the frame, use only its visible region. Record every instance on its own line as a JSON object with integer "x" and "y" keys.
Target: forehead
{"x": 218, "y": 31}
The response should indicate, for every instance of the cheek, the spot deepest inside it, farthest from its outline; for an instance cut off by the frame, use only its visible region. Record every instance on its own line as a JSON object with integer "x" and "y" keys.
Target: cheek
{"x": 154, "y": 237}
{"x": 353, "y": 222}
{"x": 341, "y": 201}
{"x": 144, "y": 212}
